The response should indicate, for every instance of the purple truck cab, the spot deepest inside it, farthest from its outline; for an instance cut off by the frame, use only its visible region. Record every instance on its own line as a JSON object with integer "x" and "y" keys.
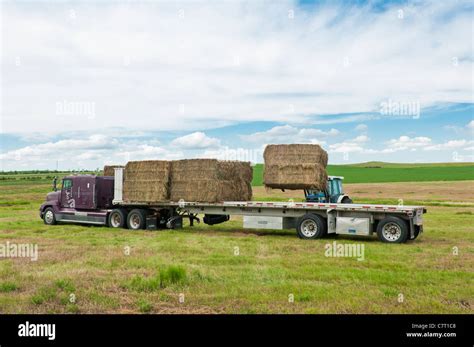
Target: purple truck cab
{"x": 81, "y": 199}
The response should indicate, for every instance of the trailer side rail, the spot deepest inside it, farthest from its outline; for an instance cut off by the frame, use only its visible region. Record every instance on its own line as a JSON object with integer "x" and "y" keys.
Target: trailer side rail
{"x": 246, "y": 206}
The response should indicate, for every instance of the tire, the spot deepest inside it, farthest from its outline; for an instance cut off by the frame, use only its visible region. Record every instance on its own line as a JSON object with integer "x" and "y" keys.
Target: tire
{"x": 392, "y": 230}
{"x": 346, "y": 200}
{"x": 136, "y": 219}
{"x": 311, "y": 226}
{"x": 117, "y": 219}
{"x": 48, "y": 217}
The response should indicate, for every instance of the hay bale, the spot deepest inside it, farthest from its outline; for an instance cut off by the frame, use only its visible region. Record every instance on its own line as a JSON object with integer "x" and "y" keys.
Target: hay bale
{"x": 295, "y": 154}
{"x": 146, "y": 181}
{"x": 295, "y": 166}
{"x": 109, "y": 170}
{"x": 210, "y": 180}
{"x": 298, "y": 176}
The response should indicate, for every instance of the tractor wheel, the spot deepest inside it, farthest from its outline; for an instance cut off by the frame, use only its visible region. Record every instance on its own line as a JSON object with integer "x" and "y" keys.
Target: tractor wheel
{"x": 346, "y": 200}
{"x": 311, "y": 226}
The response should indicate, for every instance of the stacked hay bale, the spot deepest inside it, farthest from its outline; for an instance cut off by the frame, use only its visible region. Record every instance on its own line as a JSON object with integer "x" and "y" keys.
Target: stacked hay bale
{"x": 210, "y": 180}
{"x": 295, "y": 166}
{"x": 146, "y": 181}
{"x": 109, "y": 170}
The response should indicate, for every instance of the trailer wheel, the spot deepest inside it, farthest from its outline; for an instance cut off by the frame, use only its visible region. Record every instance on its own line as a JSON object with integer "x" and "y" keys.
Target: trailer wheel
{"x": 48, "y": 217}
{"x": 136, "y": 219}
{"x": 311, "y": 226}
{"x": 392, "y": 230}
{"x": 117, "y": 219}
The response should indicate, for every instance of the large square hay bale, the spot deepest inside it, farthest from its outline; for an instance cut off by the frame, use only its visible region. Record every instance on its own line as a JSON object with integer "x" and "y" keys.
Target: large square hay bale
{"x": 109, "y": 170}
{"x": 146, "y": 181}
{"x": 210, "y": 180}
{"x": 295, "y": 166}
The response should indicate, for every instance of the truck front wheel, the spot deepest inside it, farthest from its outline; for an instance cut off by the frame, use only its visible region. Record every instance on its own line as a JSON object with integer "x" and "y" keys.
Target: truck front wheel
{"x": 117, "y": 219}
{"x": 311, "y": 226}
{"x": 48, "y": 217}
{"x": 392, "y": 230}
{"x": 136, "y": 219}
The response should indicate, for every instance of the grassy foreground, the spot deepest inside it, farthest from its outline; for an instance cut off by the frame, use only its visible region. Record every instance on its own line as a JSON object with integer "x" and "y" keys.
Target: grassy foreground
{"x": 224, "y": 269}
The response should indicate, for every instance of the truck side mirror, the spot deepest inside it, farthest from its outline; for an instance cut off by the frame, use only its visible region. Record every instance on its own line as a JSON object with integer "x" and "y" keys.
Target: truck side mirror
{"x": 55, "y": 188}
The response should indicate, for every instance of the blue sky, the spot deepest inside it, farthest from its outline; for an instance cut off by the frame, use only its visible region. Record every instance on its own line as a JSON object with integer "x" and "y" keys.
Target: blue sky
{"x": 87, "y": 84}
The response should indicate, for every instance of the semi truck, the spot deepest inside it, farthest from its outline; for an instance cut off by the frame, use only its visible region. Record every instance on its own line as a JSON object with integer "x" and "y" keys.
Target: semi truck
{"x": 92, "y": 199}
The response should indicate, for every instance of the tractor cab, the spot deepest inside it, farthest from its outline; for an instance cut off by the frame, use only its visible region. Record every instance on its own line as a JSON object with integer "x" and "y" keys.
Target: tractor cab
{"x": 333, "y": 193}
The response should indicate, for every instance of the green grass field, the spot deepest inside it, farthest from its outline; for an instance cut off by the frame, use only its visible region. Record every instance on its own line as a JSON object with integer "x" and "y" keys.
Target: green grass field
{"x": 225, "y": 269}
{"x": 376, "y": 172}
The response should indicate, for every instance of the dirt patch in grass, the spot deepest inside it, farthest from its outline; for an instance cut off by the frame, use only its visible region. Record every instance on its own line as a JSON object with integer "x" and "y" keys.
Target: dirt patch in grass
{"x": 458, "y": 191}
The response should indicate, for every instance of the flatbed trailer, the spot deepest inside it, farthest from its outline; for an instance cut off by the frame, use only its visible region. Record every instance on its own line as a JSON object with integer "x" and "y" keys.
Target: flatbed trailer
{"x": 307, "y": 218}
{"x": 312, "y": 220}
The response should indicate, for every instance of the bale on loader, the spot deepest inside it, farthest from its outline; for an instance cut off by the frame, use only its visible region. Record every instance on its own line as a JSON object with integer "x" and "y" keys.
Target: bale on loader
{"x": 109, "y": 170}
{"x": 295, "y": 166}
{"x": 146, "y": 181}
{"x": 210, "y": 180}
{"x": 295, "y": 154}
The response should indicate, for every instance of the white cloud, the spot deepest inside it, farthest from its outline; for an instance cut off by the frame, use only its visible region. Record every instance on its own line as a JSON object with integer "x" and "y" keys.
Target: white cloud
{"x": 144, "y": 152}
{"x": 350, "y": 146}
{"x": 408, "y": 143}
{"x": 290, "y": 134}
{"x": 64, "y": 147}
{"x": 452, "y": 144}
{"x": 196, "y": 140}
{"x": 470, "y": 126}
{"x": 361, "y": 139}
{"x": 361, "y": 127}
{"x": 153, "y": 69}
{"x": 89, "y": 152}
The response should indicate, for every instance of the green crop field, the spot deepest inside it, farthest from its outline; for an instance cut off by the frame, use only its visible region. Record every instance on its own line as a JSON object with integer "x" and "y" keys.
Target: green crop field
{"x": 226, "y": 269}
{"x": 376, "y": 172}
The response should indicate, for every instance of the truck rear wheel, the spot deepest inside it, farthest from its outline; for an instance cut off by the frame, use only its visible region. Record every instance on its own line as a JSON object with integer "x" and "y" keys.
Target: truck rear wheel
{"x": 392, "y": 230}
{"x": 311, "y": 226}
{"x": 136, "y": 219}
{"x": 48, "y": 217}
{"x": 117, "y": 219}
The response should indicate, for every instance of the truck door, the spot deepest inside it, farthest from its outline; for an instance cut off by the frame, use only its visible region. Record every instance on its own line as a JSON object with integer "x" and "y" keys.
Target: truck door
{"x": 84, "y": 192}
{"x": 67, "y": 199}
